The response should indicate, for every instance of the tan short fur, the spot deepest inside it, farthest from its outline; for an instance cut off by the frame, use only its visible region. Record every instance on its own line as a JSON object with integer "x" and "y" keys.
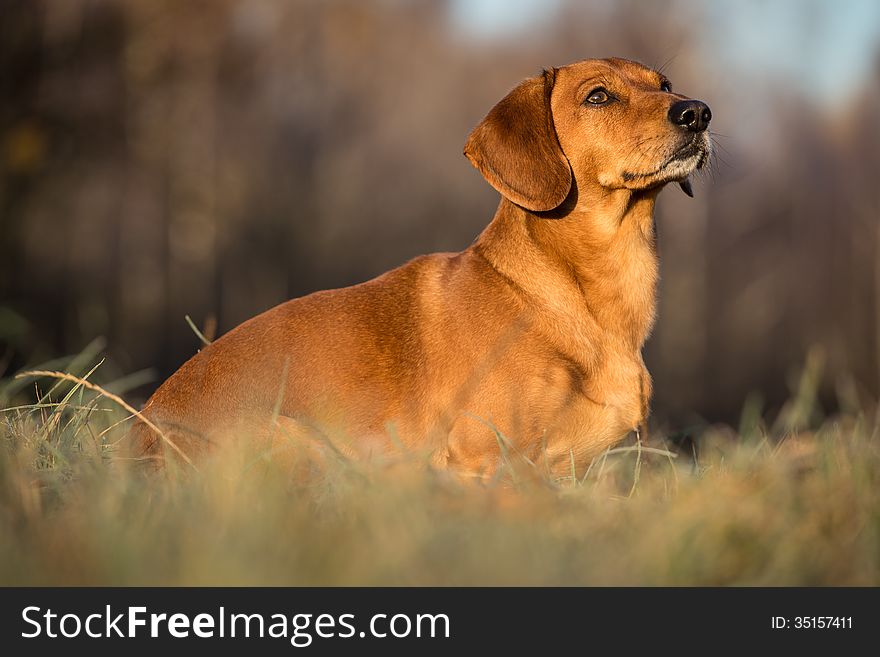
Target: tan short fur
{"x": 535, "y": 330}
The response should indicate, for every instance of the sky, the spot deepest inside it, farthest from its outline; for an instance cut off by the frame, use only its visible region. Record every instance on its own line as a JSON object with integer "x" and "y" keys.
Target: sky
{"x": 817, "y": 44}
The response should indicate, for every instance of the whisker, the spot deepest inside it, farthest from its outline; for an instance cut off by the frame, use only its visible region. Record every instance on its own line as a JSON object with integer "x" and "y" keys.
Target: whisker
{"x": 721, "y": 146}
{"x": 662, "y": 68}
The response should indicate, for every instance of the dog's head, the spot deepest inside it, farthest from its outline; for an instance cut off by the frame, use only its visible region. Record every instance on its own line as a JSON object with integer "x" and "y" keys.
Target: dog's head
{"x": 608, "y": 122}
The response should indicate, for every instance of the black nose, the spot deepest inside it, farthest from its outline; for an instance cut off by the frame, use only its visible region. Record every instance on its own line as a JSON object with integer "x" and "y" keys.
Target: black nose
{"x": 691, "y": 114}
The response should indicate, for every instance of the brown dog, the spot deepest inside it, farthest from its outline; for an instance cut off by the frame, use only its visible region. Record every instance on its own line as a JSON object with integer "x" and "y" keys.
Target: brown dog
{"x": 530, "y": 340}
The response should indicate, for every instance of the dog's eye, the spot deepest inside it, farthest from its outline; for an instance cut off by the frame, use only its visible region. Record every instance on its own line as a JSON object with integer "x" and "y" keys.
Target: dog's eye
{"x": 666, "y": 86}
{"x": 598, "y": 96}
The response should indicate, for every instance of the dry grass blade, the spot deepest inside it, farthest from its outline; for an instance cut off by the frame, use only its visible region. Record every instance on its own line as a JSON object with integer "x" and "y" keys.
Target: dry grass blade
{"x": 195, "y": 329}
{"x": 109, "y": 395}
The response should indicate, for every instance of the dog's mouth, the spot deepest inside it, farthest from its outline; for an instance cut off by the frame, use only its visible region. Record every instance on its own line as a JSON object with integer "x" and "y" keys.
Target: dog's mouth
{"x": 678, "y": 166}
{"x": 695, "y": 150}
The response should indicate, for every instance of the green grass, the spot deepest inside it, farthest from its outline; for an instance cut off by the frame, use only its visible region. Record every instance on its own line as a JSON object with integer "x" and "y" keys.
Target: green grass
{"x": 789, "y": 500}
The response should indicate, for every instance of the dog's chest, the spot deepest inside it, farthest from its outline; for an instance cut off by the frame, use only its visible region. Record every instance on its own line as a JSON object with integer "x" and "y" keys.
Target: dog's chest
{"x": 631, "y": 295}
{"x": 623, "y": 386}
{"x": 613, "y": 396}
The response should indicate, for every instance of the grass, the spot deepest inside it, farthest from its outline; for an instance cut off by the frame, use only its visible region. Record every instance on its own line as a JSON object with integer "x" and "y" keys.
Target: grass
{"x": 789, "y": 500}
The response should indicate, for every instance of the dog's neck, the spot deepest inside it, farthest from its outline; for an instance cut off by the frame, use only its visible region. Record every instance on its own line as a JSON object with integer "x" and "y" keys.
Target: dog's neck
{"x": 591, "y": 268}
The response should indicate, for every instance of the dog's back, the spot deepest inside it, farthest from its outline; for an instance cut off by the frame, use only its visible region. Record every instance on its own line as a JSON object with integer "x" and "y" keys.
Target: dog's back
{"x": 395, "y": 352}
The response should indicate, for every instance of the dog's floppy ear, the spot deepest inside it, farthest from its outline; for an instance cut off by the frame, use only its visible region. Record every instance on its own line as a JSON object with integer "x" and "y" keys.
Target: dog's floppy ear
{"x": 516, "y": 149}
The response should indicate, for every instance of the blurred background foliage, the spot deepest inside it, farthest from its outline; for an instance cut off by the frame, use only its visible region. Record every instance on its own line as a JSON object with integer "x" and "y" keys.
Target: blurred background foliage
{"x": 213, "y": 158}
